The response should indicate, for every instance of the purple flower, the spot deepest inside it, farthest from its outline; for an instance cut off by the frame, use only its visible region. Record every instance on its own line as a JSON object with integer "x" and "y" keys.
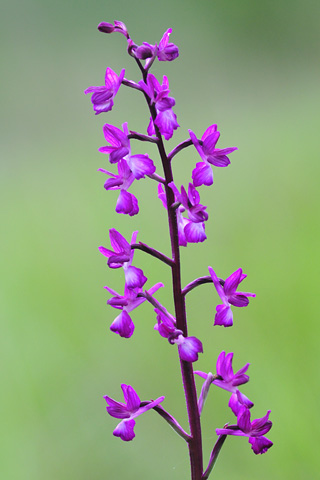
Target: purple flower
{"x": 255, "y": 430}
{"x": 182, "y": 222}
{"x": 120, "y": 27}
{"x": 128, "y": 411}
{"x": 202, "y": 174}
{"x": 122, "y": 256}
{"x": 227, "y": 379}
{"x": 102, "y": 98}
{"x": 188, "y": 347}
{"x": 194, "y": 229}
{"x": 165, "y": 51}
{"x": 140, "y": 165}
{"x": 123, "y": 324}
{"x": 127, "y": 202}
{"x": 229, "y": 296}
{"x": 166, "y": 119}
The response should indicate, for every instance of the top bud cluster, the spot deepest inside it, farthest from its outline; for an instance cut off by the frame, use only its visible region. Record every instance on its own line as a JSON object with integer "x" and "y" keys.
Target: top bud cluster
{"x": 186, "y": 221}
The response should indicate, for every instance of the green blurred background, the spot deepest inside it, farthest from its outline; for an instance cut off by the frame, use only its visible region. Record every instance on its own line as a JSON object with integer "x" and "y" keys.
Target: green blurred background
{"x": 252, "y": 67}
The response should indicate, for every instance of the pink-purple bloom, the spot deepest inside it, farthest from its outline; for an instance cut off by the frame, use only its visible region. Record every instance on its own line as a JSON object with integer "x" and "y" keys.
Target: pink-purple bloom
{"x": 194, "y": 227}
{"x": 120, "y": 149}
{"x": 102, "y": 97}
{"x": 166, "y": 119}
{"x": 227, "y": 379}
{"x": 255, "y": 430}
{"x": 128, "y": 411}
{"x": 188, "y": 347}
{"x": 122, "y": 256}
{"x": 165, "y": 51}
{"x": 229, "y": 296}
{"x": 202, "y": 174}
{"x": 127, "y": 203}
{"x": 123, "y": 324}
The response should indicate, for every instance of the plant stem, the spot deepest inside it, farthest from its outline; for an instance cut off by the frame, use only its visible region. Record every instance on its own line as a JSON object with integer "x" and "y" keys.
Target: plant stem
{"x": 195, "y": 443}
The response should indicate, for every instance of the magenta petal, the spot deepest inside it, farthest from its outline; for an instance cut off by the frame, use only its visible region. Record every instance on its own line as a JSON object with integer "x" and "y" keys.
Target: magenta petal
{"x": 218, "y": 160}
{"x": 195, "y": 232}
{"x": 116, "y": 261}
{"x": 123, "y": 325}
{"x": 127, "y": 203}
{"x": 118, "y": 154}
{"x": 118, "y": 242}
{"x": 244, "y": 419}
{"x": 226, "y": 368}
{"x": 238, "y": 300}
{"x": 243, "y": 400}
{"x": 166, "y": 121}
{"x": 124, "y": 430}
{"x": 131, "y": 398}
{"x": 220, "y": 362}
{"x": 210, "y": 130}
{"x": 134, "y": 277}
{"x": 202, "y": 175}
{"x": 116, "y": 409}
{"x": 210, "y": 142}
{"x": 234, "y": 404}
{"x": 223, "y": 316}
{"x": 115, "y": 136}
{"x": 232, "y": 282}
{"x": 189, "y": 349}
{"x": 217, "y": 284}
{"x": 260, "y": 444}
{"x": 141, "y": 165}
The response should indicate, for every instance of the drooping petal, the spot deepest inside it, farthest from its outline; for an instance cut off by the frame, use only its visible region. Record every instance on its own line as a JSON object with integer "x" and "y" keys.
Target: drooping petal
{"x": 141, "y": 165}
{"x": 134, "y": 277}
{"x": 189, "y": 348}
{"x": 124, "y": 430}
{"x": 166, "y": 121}
{"x": 127, "y": 203}
{"x": 202, "y": 175}
{"x": 223, "y": 316}
{"x": 123, "y": 325}
{"x": 260, "y": 444}
{"x": 195, "y": 232}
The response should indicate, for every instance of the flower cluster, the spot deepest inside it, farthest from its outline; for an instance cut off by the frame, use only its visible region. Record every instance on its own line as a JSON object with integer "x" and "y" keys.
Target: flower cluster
{"x": 187, "y": 218}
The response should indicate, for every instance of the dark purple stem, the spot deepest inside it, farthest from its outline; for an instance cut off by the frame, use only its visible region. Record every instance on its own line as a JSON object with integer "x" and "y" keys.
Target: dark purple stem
{"x": 131, "y": 84}
{"x": 195, "y": 443}
{"x": 156, "y": 304}
{"x": 153, "y": 252}
{"x": 170, "y": 419}
{"x": 199, "y": 281}
{"x": 178, "y": 148}
{"x": 143, "y": 138}
{"x": 214, "y": 455}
